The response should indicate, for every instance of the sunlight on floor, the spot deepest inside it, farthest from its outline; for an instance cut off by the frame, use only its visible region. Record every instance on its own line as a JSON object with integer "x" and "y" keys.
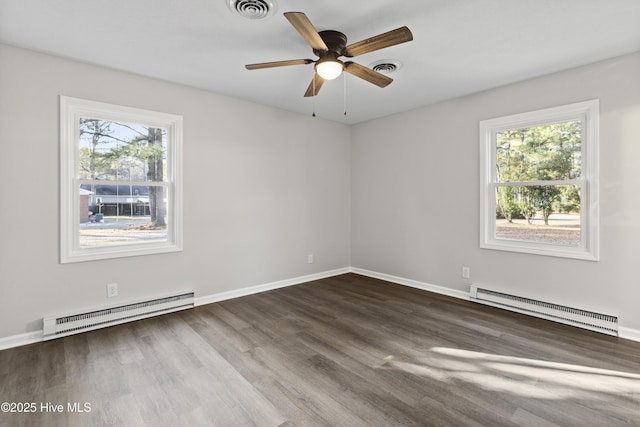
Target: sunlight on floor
{"x": 520, "y": 376}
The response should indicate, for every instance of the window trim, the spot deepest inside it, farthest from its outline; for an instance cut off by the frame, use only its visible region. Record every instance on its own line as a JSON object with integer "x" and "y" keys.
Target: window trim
{"x": 587, "y": 112}
{"x": 71, "y": 109}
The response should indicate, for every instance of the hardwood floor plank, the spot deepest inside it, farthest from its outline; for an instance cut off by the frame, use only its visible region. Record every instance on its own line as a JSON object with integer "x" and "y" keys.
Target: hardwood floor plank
{"x": 291, "y": 403}
{"x": 343, "y": 351}
{"x": 302, "y": 388}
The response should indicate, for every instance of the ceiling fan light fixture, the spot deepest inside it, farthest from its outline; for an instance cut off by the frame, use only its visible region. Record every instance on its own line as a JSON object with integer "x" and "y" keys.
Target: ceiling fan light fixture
{"x": 329, "y": 45}
{"x": 329, "y": 69}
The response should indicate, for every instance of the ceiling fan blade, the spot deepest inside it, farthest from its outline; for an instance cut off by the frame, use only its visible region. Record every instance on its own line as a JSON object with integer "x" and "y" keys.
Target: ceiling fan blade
{"x": 314, "y": 86}
{"x": 390, "y": 38}
{"x": 367, "y": 74}
{"x": 306, "y": 29}
{"x": 278, "y": 64}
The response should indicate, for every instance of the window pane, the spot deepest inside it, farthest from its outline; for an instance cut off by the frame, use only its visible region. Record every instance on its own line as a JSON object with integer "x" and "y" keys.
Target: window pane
{"x": 115, "y": 151}
{"x": 121, "y": 190}
{"x": 542, "y": 214}
{"x": 122, "y": 214}
{"x": 540, "y": 153}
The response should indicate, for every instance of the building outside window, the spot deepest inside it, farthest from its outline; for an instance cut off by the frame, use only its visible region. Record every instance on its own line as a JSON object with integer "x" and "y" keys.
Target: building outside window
{"x": 120, "y": 181}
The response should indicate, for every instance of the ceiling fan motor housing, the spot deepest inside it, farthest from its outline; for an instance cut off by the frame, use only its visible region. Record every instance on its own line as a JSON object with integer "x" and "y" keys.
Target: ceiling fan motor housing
{"x": 329, "y": 45}
{"x": 335, "y": 41}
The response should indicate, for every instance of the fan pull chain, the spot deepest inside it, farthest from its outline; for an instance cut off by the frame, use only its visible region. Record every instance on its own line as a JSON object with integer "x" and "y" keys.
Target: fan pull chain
{"x": 345, "y": 93}
{"x": 314, "y": 95}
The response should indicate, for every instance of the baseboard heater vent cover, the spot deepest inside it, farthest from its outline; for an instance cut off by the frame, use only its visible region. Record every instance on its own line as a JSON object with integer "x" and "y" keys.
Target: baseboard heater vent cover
{"x": 62, "y": 326}
{"x": 590, "y": 320}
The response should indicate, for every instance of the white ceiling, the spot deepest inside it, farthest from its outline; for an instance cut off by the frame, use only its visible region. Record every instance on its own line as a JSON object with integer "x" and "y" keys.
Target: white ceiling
{"x": 459, "y": 46}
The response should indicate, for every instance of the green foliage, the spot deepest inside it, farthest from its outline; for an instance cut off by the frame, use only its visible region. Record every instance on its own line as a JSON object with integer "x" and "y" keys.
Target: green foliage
{"x": 570, "y": 201}
{"x": 507, "y": 207}
{"x": 93, "y": 163}
{"x": 550, "y": 152}
{"x": 117, "y": 151}
{"x": 124, "y": 152}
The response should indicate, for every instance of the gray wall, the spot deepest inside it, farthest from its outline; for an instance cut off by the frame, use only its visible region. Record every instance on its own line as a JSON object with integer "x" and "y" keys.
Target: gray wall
{"x": 262, "y": 189}
{"x": 415, "y": 193}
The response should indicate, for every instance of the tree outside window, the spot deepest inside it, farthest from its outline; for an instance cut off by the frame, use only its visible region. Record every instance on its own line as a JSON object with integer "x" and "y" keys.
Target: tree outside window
{"x": 121, "y": 170}
{"x": 539, "y": 182}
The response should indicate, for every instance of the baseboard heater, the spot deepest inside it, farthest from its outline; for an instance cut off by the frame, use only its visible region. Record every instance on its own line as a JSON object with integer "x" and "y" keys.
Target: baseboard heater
{"x": 590, "y": 320}
{"x": 62, "y": 326}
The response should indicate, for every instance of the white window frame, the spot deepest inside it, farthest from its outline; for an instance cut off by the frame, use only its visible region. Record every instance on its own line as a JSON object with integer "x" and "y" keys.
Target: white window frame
{"x": 71, "y": 110}
{"x": 587, "y": 112}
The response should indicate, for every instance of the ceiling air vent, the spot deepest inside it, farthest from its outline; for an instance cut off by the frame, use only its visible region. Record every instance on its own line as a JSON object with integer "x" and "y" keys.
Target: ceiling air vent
{"x": 385, "y": 66}
{"x": 252, "y": 9}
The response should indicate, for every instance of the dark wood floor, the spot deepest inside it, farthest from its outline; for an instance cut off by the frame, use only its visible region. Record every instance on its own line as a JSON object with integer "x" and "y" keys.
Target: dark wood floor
{"x": 344, "y": 351}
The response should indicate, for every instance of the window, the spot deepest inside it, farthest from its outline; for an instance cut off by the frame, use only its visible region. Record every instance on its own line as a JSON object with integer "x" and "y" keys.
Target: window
{"x": 539, "y": 182}
{"x": 120, "y": 181}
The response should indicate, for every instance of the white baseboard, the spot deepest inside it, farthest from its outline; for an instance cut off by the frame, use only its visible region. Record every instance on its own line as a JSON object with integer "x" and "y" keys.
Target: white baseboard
{"x": 236, "y": 293}
{"x": 20, "y": 340}
{"x": 36, "y": 336}
{"x": 629, "y": 334}
{"x": 412, "y": 283}
{"x": 625, "y": 333}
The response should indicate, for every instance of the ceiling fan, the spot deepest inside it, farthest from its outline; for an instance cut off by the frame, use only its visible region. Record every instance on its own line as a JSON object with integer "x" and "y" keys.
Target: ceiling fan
{"x": 330, "y": 45}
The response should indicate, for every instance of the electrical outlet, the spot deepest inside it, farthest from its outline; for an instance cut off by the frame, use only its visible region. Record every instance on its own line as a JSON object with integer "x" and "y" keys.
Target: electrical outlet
{"x": 310, "y": 258}
{"x": 112, "y": 290}
{"x": 466, "y": 272}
